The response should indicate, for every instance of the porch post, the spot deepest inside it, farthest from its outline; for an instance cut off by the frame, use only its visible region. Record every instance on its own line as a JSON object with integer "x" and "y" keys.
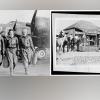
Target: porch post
{"x": 97, "y": 40}
{"x": 84, "y": 39}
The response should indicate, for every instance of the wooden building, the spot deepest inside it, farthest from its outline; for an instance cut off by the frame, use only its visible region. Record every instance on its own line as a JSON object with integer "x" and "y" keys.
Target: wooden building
{"x": 87, "y": 31}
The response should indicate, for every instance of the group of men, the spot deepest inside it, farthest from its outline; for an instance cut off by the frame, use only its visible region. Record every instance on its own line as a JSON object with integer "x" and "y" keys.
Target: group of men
{"x": 74, "y": 40}
{"x": 70, "y": 41}
{"x": 9, "y": 47}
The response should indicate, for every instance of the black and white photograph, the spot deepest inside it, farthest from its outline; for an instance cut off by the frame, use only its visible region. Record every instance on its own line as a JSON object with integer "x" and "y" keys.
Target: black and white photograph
{"x": 24, "y": 42}
{"x": 76, "y": 41}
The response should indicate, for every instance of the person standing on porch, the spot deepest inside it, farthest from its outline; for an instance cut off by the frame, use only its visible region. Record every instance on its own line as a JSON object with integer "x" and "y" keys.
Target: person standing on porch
{"x": 84, "y": 40}
{"x": 78, "y": 43}
{"x": 72, "y": 39}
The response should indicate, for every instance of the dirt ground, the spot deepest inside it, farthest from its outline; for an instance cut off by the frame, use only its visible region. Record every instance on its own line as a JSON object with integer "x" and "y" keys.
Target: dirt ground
{"x": 42, "y": 68}
{"x": 78, "y": 62}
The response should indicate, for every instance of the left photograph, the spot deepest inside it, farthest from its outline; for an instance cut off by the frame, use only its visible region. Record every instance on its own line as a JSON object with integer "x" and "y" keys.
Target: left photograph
{"x": 24, "y": 42}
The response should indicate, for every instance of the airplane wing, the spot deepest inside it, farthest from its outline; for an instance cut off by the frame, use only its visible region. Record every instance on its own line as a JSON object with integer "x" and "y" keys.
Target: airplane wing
{"x": 14, "y": 27}
{"x": 33, "y": 22}
{"x": 33, "y": 19}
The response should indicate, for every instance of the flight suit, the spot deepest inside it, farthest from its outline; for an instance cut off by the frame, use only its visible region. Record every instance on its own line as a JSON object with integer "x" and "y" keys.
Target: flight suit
{"x": 12, "y": 47}
{"x": 27, "y": 51}
{"x": 2, "y": 49}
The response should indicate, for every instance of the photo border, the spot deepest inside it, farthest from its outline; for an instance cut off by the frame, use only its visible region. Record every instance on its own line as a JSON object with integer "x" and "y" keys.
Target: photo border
{"x": 82, "y": 12}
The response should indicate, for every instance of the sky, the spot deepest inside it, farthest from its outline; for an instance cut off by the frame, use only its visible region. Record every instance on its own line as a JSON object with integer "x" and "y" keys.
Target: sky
{"x": 63, "y": 21}
{"x": 21, "y": 15}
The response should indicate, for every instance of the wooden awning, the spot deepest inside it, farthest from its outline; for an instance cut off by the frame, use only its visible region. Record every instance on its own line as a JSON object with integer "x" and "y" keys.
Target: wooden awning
{"x": 86, "y": 27}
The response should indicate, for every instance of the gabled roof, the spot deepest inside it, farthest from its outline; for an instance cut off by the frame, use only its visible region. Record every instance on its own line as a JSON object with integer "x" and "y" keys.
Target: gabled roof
{"x": 85, "y": 26}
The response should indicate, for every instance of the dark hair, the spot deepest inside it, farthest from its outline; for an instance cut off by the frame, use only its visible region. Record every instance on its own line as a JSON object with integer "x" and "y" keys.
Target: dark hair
{"x": 10, "y": 31}
{"x": 1, "y": 32}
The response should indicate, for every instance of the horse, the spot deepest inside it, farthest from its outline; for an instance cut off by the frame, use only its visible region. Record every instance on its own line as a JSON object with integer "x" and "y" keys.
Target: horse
{"x": 70, "y": 42}
{"x": 61, "y": 42}
{"x": 65, "y": 42}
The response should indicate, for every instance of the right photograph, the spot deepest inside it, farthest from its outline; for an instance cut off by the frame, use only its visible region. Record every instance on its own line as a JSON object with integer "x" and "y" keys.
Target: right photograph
{"x": 76, "y": 42}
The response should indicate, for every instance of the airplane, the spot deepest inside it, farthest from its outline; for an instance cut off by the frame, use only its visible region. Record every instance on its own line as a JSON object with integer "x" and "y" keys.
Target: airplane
{"x": 39, "y": 29}
{"x": 40, "y": 32}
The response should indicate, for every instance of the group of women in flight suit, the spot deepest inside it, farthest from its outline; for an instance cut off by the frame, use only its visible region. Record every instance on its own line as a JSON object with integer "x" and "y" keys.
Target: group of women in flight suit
{"x": 10, "y": 46}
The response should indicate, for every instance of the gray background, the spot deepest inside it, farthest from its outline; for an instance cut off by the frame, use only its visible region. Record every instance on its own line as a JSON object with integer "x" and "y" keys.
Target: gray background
{"x": 50, "y": 4}
{"x": 50, "y": 88}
